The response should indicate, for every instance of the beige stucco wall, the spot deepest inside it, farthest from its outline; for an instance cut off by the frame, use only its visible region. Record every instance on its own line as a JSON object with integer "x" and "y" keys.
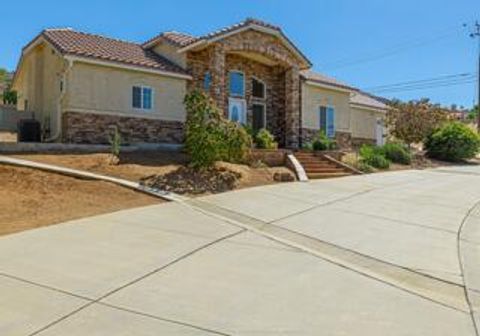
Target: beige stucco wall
{"x": 39, "y": 84}
{"x": 106, "y": 90}
{"x": 364, "y": 122}
{"x": 313, "y": 97}
{"x": 170, "y": 52}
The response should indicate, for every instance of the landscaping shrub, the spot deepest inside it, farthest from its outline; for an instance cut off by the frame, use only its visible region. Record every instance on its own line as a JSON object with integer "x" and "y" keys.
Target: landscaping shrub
{"x": 397, "y": 153}
{"x": 353, "y": 160}
{"x": 265, "y": 140}
{"x": 374, "y": 156}
{"x": 453, "y": 142}
{"x": 209, "y": 136}
{"x": 115, "y": 146}
{"x": 322, "y": 142}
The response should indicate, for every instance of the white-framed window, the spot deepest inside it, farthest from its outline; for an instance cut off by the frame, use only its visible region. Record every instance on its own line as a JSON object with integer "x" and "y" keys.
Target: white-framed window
{"x": 237, "y": 84}
{"x": 142, "y": 97}
{"x": 207, "y": 81}
{"x": 259, "y": 89}
{"x": 327, "y": 120}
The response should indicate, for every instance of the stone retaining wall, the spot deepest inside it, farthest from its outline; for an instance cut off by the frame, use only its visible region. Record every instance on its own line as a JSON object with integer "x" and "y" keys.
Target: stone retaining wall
{"x": 89, "y": 128}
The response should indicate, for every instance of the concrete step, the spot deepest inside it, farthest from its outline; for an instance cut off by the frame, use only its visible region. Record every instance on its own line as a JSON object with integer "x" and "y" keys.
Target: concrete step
{"x": 317, "y": 176}
{"x": 324, "y": 170}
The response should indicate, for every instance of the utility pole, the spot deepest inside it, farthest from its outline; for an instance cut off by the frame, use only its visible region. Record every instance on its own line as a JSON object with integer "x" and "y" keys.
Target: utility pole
{"x": 475, "y": 34}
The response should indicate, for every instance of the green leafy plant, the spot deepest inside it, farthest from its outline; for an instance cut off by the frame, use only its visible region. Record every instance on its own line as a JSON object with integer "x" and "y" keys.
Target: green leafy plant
{"x": 9, "y": 97}
{"x": 397, "y": 153}
{"x": 453, "y": 142}
{"x": 353, "y": 160}
{"x": 209, "y": 136}
{"x": 265, "y": 140}
{"x": 115, "y": 145}
{"x": 374, "y": 156}
{"x": 321, "y": 142}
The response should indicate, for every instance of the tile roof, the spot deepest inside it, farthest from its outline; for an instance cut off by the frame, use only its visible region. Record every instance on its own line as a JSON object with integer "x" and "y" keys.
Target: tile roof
{"x": 365, "y": 99}
{"x": 176, "y": 38}
{"x": 70, "y": 42}
{"x": 322, "y": 79}
{"x": 184, "y": 40}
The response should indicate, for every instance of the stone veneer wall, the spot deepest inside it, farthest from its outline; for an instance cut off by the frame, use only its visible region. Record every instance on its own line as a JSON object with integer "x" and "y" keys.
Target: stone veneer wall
{"x": 89, "y": 128}
{"x": 343, "y": 139}
{"x": 282, "y": 79}
{"x": 358, "y": 142}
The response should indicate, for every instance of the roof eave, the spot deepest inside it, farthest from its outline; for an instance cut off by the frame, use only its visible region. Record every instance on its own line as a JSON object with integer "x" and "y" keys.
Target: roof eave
{"x": 330, "y": 86}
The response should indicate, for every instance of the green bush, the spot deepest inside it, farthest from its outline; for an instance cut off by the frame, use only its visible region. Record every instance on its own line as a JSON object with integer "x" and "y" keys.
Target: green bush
{"x": 209, "y": 136}
{"x": 353, "y": 160}
{"x": 322, "y": 142}
{"x": 453, "y": 142}
{"x": 374, "y": 156}
{"x": 265, "y": 140}
{"x": 397, "y": 153}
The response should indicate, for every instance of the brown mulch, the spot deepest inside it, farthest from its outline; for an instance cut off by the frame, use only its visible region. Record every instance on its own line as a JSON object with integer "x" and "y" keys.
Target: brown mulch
{"x": 31, "y": 199}
{"x": 185, "y": 180}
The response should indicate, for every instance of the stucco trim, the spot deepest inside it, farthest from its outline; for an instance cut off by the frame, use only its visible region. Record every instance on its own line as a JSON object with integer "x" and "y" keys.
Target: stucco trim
{"x": 327, "y": 86}
{"x": 368, "y": 108}
{"x": 127, "y": 67}
{"x": 139, "y": 115}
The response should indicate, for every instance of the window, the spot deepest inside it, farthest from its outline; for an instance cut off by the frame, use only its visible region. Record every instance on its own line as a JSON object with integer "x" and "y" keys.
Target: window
{"x": 327, "y": 121}
{"x": 258, "y": 89}
{"x": 142, "y": 97}
{"x": 207, "y": 81}
{"x": 237, "y": 84}
{"x": 258, "y": 120}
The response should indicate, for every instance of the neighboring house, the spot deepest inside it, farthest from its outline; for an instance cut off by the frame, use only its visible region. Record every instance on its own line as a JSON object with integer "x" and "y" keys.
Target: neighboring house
{"x": 79, "y": 85}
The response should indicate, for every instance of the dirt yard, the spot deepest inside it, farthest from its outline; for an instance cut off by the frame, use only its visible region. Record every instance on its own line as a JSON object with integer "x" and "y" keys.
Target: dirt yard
{"x": 139, "y": 165}
{"x": 31, "y": 199}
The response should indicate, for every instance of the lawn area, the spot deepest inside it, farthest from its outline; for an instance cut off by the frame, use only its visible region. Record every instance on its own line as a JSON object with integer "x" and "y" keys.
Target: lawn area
{"x": 31, "y": 199}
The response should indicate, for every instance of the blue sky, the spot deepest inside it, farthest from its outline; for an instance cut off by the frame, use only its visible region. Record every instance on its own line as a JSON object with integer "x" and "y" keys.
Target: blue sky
{"x": 365, "y": 43}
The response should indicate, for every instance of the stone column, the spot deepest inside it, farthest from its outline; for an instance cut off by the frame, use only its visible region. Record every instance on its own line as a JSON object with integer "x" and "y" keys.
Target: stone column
{"x": 217, "y": 70}
{"x": 292, "y": 107}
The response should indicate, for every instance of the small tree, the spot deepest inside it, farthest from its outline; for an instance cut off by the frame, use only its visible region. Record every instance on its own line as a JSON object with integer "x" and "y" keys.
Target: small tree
{"x": 209, "y": 136}
{"x": 116, "y": 143}
{"x": 412, "y": 122}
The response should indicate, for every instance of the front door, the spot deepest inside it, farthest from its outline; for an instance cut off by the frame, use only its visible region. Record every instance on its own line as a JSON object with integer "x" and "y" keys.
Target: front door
{"x": 237, "y": 110}
{"x": 379, "y": 132}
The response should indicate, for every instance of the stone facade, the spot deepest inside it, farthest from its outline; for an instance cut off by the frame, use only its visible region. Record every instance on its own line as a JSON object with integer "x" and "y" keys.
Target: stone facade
{"x": 261, "y": 56}
{"x": 358, "y": 142}
{"x": 89, "y": 128}
{"x": 343, "y": 139}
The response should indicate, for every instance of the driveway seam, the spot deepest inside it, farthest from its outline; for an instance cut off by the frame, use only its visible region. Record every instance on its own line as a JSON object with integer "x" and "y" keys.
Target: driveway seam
{"x": 394, "y": 220}
{"x": 462, "y": 266}
{"x": 97, "y": 301}
{"x": 261, "y": 228}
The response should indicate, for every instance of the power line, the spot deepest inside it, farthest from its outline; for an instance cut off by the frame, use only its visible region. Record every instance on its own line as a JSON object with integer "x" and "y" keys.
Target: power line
{"x": 430, "y": 86}
{"x": 391, "y": 51}
{"x": 433, "y": 80}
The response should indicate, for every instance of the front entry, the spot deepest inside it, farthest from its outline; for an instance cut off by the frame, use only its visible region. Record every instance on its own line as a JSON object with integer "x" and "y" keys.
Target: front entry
{"x": 379, "y": 132}
{"x": 237, "y": 110}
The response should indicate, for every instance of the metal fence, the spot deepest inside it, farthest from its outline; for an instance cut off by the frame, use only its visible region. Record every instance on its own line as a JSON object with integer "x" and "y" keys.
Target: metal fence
{"x": 9, "y": 118}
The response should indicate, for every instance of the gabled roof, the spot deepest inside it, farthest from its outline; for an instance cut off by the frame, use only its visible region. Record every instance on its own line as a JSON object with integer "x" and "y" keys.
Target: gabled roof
{"x": 316, "y": 77}
{"x": 186, "y": 41}
{"x": 366, "y": 100}
{"x": 73, "y": 43}
{"x": 176, "y": 38}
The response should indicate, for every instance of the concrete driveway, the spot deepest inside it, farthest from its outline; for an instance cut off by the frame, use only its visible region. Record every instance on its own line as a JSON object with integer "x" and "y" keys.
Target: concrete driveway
{"x": 384, "y": 254}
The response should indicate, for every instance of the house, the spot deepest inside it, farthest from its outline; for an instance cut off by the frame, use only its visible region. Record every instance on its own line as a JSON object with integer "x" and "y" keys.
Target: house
{"x": 79, "y": 85}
